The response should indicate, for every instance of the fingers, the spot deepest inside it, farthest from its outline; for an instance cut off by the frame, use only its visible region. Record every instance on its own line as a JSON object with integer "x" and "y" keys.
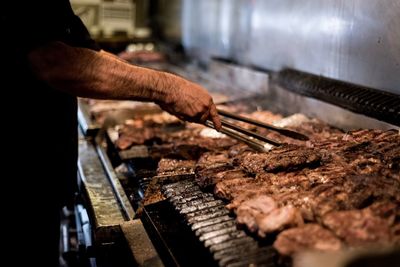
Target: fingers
{"x": 211, "y": 114}
{"x": 215, "y": 117}
{"x": 193, "y": 104}
{"x": 205, "y": 116}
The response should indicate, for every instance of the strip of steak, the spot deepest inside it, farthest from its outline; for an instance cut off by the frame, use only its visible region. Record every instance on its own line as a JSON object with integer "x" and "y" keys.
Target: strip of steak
{"x": 247, "y": 194}
{"x": 189, "y": 151}
{"x": 209, "y": 175}
{"x": 228, "y": 188}
{"x": 210, "y": 158}
{"x": 286, "y": 158}
{"x": 129, "y": 136}
{"x": 278, "y": 219}
{"x": 238, "y": 149}
{"x": 250, "y": 209}
{"x": 360, "y": 227}
{"x": 210, "y": 178}
{"x": 307, "y": 237}
{"x": 176, "y": 166}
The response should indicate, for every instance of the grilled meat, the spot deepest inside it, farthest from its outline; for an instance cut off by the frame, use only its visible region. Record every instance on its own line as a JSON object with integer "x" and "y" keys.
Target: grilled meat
{"x": 250, "y": 209}
{"x": 188, "y": 151}
{"x": 278, "y": 219}
{"x": 210, "y": 174}
{"x": 210, "y": 158}
{"x": 349, "y": 183}
{"x": 129, "y": 136}
{"x": 371, "y": 225}
{"x": 238, "y": 150}
{"x": 227, "y": 189}
{"x": 166, "y": 166}
{"x": 209, "y": 177}
{"x": 354, "y": 172}
{"x": 287, "y": 157}
{"x": 307, "y": 237}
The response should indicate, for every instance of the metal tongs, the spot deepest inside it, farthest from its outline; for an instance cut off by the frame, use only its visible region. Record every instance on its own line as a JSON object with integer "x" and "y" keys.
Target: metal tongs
{"x": 253, "y": 139}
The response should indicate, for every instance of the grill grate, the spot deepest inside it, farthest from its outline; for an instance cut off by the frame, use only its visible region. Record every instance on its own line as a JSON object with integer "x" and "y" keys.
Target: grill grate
{"x": 374, "y": 103}
{"x": 209, "y": 220}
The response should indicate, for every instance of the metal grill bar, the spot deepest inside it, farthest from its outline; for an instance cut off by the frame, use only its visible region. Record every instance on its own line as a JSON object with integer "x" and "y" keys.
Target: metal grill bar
{"x": 235, "y": 243}
{"x": 201, "y": 206}
{"x": 192, "y": 217}
{"x": 211, "y": 223}
{"x": 371, "y": 102}
{"x": 224, "y": 238}
{"x": 216, "y": 233}
{"x": 186, "y": 197}
{"x": 206, "y": 217}
{"x": 232, "y": 250}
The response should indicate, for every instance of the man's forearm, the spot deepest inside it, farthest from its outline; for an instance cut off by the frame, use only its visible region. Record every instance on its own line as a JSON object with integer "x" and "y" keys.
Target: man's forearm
{"x": 88, "y": 73}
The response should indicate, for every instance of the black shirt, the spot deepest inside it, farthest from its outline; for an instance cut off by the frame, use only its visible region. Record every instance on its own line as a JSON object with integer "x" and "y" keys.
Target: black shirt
{"x": 42, "y": 127}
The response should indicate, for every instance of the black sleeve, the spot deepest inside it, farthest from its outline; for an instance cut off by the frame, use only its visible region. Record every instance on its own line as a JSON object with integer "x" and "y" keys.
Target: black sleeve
{"x": 27, "y": 24}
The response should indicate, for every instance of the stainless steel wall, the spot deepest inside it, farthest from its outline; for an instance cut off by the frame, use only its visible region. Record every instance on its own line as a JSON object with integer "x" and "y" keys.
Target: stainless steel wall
{"x": 170, "y": 18}
{"x": 207, "y": 28}
{"x": 351, "y": 40}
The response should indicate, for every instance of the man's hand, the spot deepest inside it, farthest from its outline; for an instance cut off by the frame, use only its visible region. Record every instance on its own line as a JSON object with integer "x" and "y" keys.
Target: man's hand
{"x": 191, "y": 102}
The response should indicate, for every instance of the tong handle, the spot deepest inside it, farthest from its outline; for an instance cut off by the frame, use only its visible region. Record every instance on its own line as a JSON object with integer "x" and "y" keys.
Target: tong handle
{"x": 280, "y": 130}
{"x": 249, "y": 133}
{"x": 255, "y": 144}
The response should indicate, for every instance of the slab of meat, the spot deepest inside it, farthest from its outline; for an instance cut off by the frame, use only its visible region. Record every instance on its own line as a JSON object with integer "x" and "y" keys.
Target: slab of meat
{"x": 210, "y": 158}
{"x": 250, "y": 209}
{"x": 189, "y": 148}
{"x": 227, "y": 189}
{"x": 301, "y": 200}
{"x": 302, "y": 180}
{"x": 192, "y": 136}
{"x": 278, "y": 219}
{"x": 238, "y": 149}
{"x": 175, "y": 166}
{"x": 214, "y": 167}
{"x": 189, "y": 144}
{"x": 129, "y": 136}
{"x": 286, "y": 158}
{"x": 207, "y": 175}
{"x": 371, "y": 225}
{"x": 176, "y": 151}
{"x": 252, "y": 191}
{"x": 188, "y": 151}
{"x": 173, "y": 143}
{"x": 307, "y": 237}
{"x": 263, "y": 213}
{"x": 316, "y": 130}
